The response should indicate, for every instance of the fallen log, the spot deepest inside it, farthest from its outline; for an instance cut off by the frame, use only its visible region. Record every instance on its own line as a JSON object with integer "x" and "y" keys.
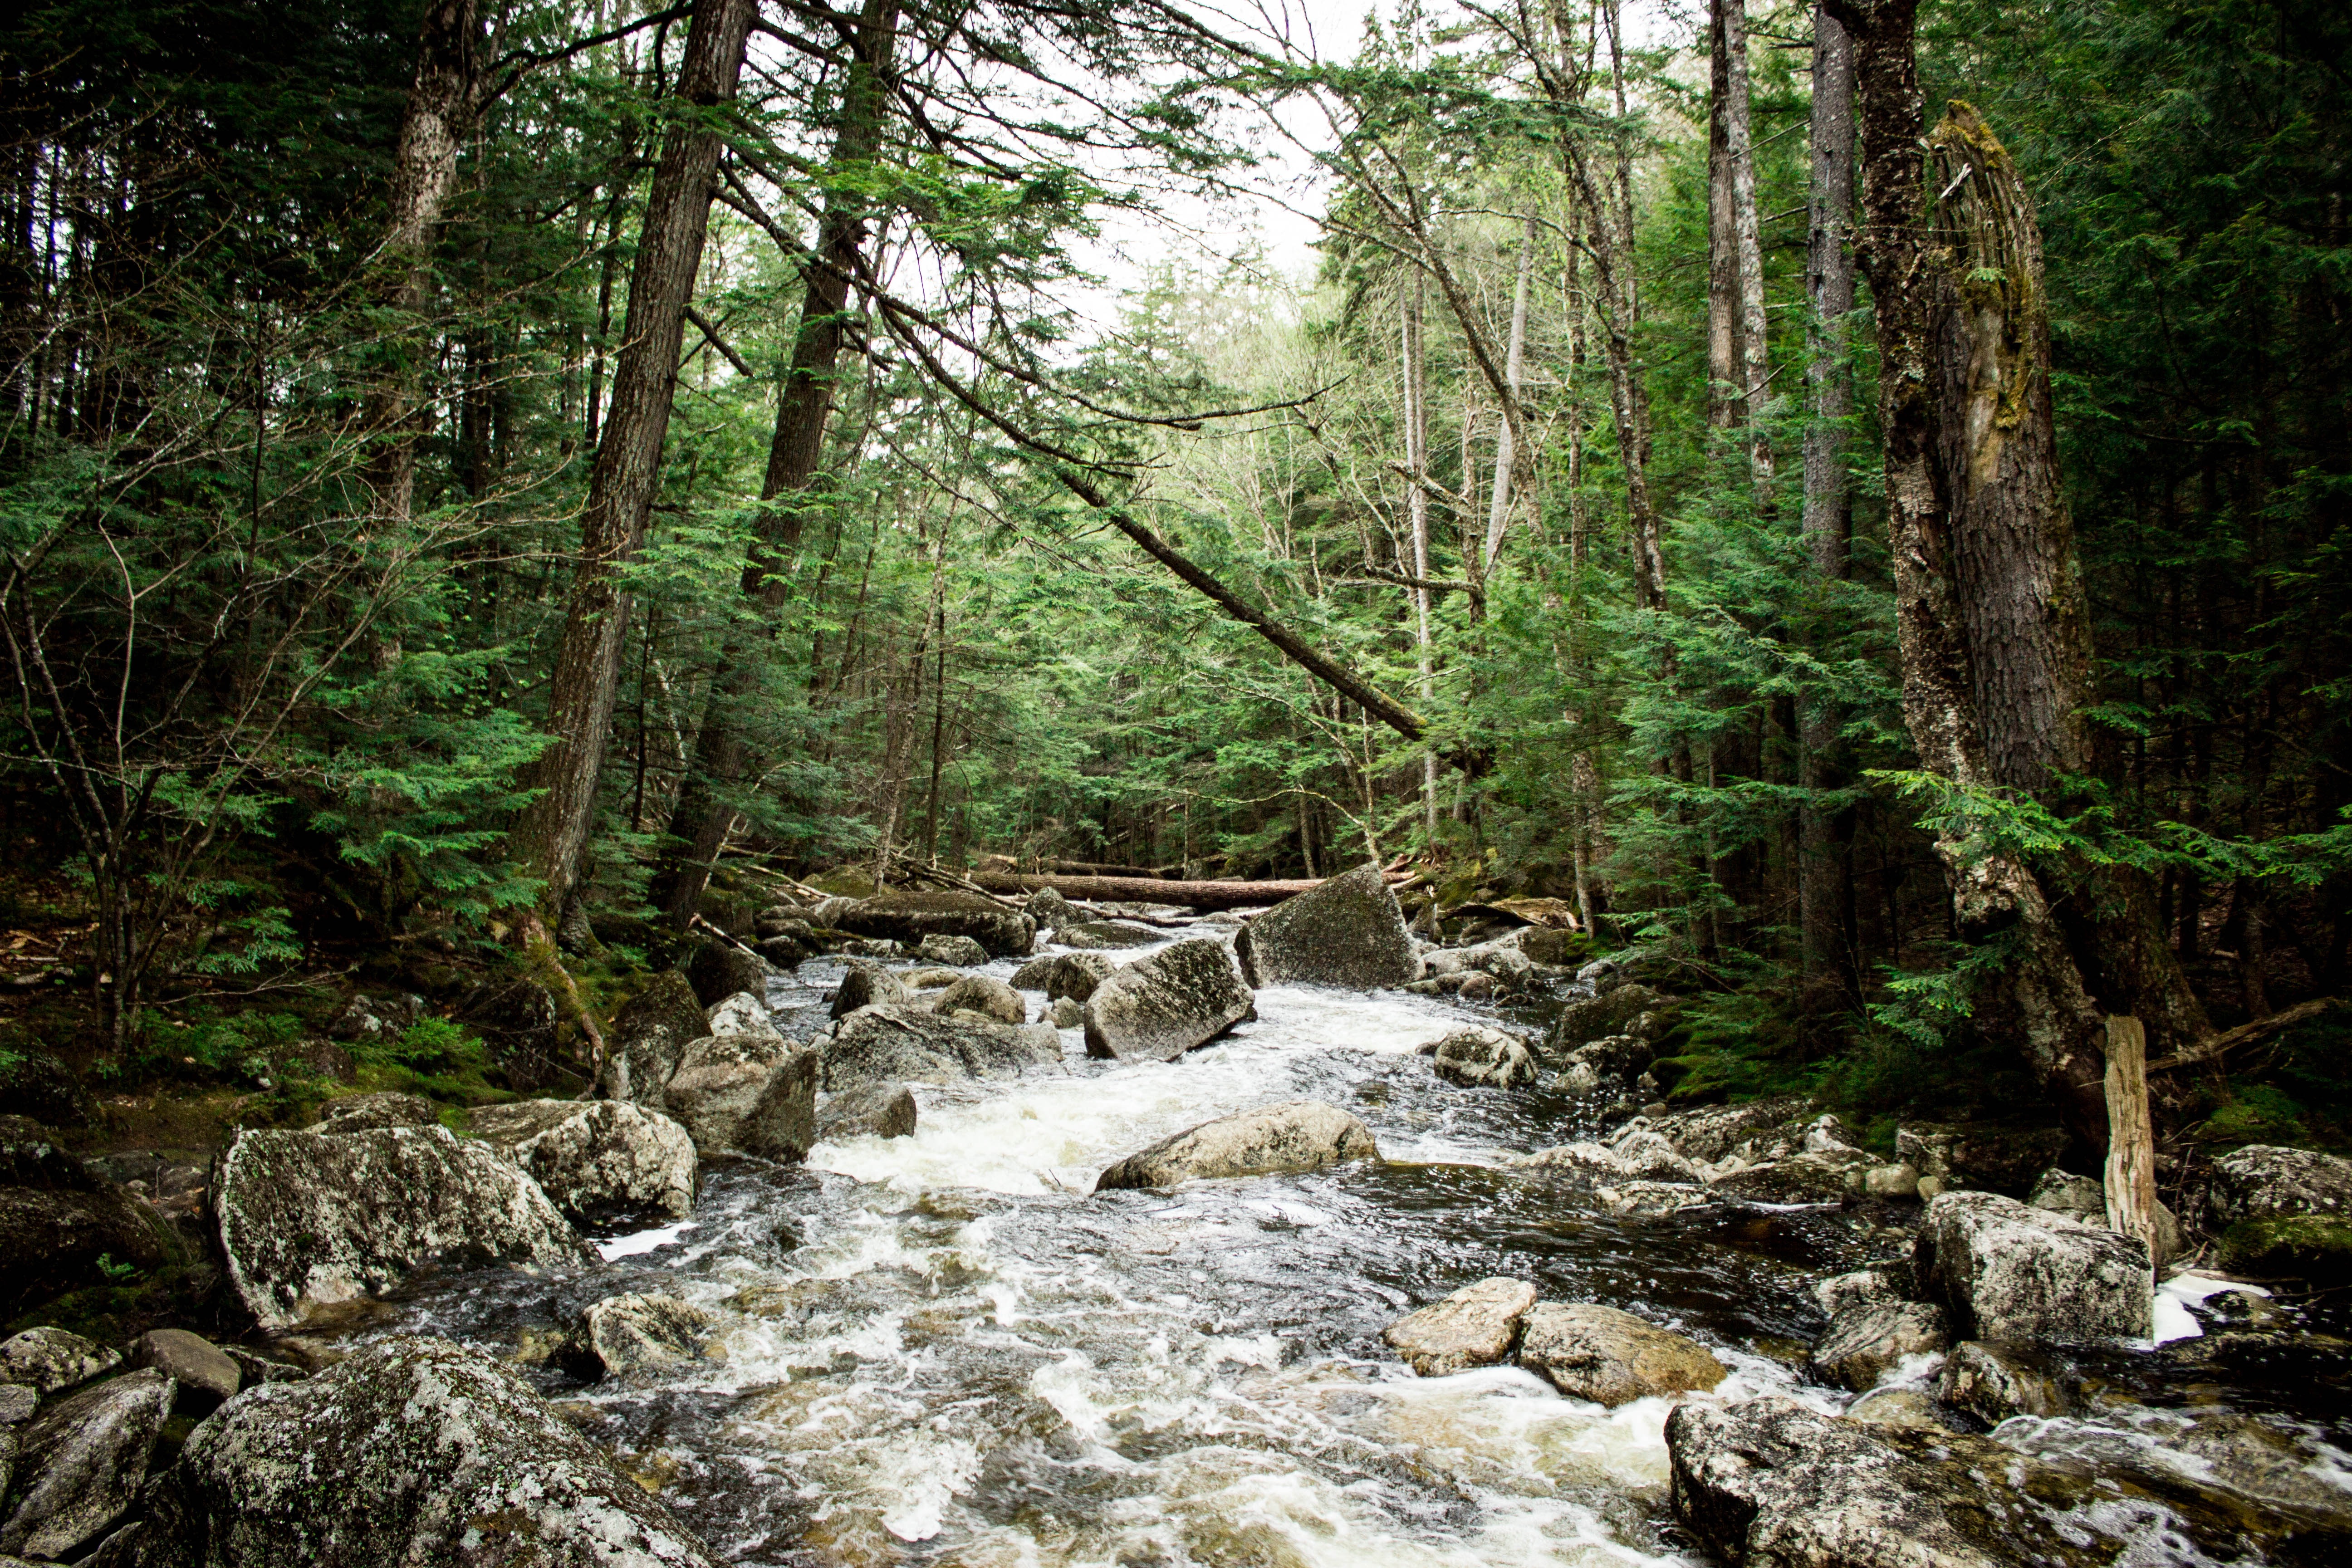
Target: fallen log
{"x": 1081, "y": 868}
{"x": 2212, "y": 1048}
{"x": 1147, "y": 891}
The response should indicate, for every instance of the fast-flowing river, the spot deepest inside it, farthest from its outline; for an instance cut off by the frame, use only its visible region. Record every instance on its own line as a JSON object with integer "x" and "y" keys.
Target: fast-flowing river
{"x": 947, "y": 1348}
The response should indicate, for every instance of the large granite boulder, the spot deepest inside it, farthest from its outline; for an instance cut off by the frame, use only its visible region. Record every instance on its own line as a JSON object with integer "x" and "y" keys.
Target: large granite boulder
{"x": 648, "y": 1036}
{"x": 986, "y": 996}
{"x": 47, "y": 1359}
{"x": 1590, "y": 1018}
{"x": 594, "y": 1158}
{"x": 1348, "y": 932}
{"x": 414, "y": 1451}
{"x": 717, "y": 970}
{"x": 1484, "y": 1058}
{"x": 1303, "y": 1135}
{"x": 58, "y": 1218}
{"x": 1161, "y": 1006}
{"x": 957, "y": 951}
{"x": 1591, "y": 1352}
{"x": 1770, "y": 1482}
{"x": 80, "y": 1463}
{"x": 1060, "y": 974}
{"x": 1475, "y": 1326}
{"x": 2265, "y": 1181}
{"x": 868, "y": 1110}
{"x": 2008, "y": 1271}
{"x": 1050, "y": 910}
{"x": 623, "y": 1334}
{"x": 1868, "y": 1339}
{"x": 307, "y": 1221}
{"x": 907, "y": 917}
{"x": 900, "y": 1043}
{"x": 1993, "y": 1382}
{"x": 866, "y": 985}
{"x": 742, "y": 1014}
{"x": 750, "y": 1094}
{"x": 1713, "y": 1132}
{"x": 204, "y": 1372}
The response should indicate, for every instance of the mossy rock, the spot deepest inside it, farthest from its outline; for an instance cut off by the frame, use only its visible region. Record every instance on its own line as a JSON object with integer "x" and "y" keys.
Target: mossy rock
{"x": 37, "y": 1085}
{"x": 2307, "y": 1246}
{"x": 844, "y": 882}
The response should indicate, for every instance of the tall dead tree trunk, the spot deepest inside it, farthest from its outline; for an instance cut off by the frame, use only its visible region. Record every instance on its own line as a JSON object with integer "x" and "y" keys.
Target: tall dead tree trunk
{"x": 551, "y": 836}
{"x": 1416, "y": 458}
{"x": 1748, "y": 251}
{"x": 704, "y": 813}
{"x": 1824, "y": 905}
{"x": 1515, "y": 354}
{"x": 1726, "y": 380}
{"x": 1991, "y": 623}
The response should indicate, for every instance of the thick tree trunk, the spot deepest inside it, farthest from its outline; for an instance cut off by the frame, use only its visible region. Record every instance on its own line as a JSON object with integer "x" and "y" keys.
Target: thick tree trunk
{"x": 1748, "y": 251}
{"x": 704, "y": 815}
{"x": 553, "y": 834}
{"x": 1824, "y": 905}
{"x": 1726, "y": 383}
{"x": 1498, "y": 510}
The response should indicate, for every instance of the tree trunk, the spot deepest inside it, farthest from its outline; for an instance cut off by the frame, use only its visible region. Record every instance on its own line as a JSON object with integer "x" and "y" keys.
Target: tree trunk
{"x": 1725, "y": 379}
{"x": 1498, "y": 509}
{"x": 1748, "y": 249}
{"x": 1828, "y": 963}
{"x": 552, "y": 833}
{"x": 2130, "y": 1182}
{"x": 1416, "y": 459}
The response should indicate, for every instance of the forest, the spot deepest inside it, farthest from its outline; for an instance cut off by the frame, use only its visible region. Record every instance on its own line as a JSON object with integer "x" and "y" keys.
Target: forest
{"x": 1164, "y": 784}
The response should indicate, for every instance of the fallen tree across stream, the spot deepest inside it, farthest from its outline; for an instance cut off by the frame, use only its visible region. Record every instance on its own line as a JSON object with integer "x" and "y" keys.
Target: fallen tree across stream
{"x": 1153, "y": 890}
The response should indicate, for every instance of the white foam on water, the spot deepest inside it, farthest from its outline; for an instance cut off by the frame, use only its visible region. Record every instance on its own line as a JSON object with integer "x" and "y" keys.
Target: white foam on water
{"x": 638, "y": 1243}
{"x": 2172, "y": 1319}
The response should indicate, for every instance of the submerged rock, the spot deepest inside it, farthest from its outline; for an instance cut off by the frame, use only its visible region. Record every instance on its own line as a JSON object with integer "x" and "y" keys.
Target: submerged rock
{"x": 751, "y": 1094}
{"x": 649, "y": 1033}
{"x": 866, "y": 985}
{"x": 1303, "y": 1135}
{"x": 1475, "y": 1326}
{"x": 907, "y": 917}
{"x": 82, "y": 1462}
{"x": 986, "y": 996}
{"x": 1485, "y": 1059}
{"x": 868, "y": 1110}
{"x": 1596, "y": 1352}
{"x": 1349, "y": 932}
{"x": 414, "y": 1451}
{"x": 1160, "y": 1006}
{"x": 2007, "y": 1271}
{"x": 594, "y": 1157}
{"x": 1993, "y": 1382}
{"x": 1063, "y": 974}
{"x": 899, "y": 1044}
{"x": 957, "y": 951}
{"x": 623, "y": 1334}
{"x": 1867, "y": 1339}
{"x": 307, "y": 1221}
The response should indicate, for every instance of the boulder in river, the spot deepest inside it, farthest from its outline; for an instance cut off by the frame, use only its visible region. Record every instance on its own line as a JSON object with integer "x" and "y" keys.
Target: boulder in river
{"x": 1066, "y": 1013}
{"x": 1347, "y": 932}
{"x": 907, "y": 917}
{"x": 1879, "y": 1282}
{"x": 986, "y": 996}
{"x": 1635, "y": 1154}
{"x": 1302, "y": 1135}
{"x": 2265, "y": 1181}
{"x": 1993, "y": 1382}
{"x": 1071, "y": 975}
{"x": 1867, "y": 1339}
{"x": 307, "y": 1221}
{"x": 80, "y": 1463}
{"x": 868, "y": 1110}
{"x": 1096, "y": 935}
{"x": 718, "y": 969}
{"x": 750, "y": 1094}
{"x": 415, "y": 1450}
{"x": 649, "y": 1033}
{"x": 46, "y": 1360}
{"x": 1484, "y": 1058}
{"x": 593, "y": 1158}
{"x": 898, "y": 1043}
{"x": 1160, "y": 1006}
{"x": 1596, "y": 1352}
{"x": 2008, "y": 1271}
{"x": 205, "y": 1374}
{"x": 1050, "y": 910}
{"x": 866, "y": 985}
{"x": 623, "y": 1334}
{"x": 959, "y": 951}
{"x": 742, "y": 1014}
{"x": 1475, "y": 1326}
{"x": 367, "y": 1112}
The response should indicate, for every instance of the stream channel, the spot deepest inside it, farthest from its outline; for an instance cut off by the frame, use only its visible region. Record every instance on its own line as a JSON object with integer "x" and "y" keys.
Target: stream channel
{"x": 946, "y": 1349}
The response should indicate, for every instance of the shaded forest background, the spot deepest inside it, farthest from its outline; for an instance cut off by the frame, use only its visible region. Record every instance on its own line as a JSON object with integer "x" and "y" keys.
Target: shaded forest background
{"x": 301, "y": 496}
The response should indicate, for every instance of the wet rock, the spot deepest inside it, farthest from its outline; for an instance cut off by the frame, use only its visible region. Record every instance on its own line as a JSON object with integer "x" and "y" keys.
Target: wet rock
{"x": 1824, "y": 1176}
{"x": 717, "y": 970}
{"x": 1303, "y": 1135}
{"x": 1348, "y": 932}
{"x": 935, "y": 978}
{"x": 1098, "y": 935}
{"x": 751, "y": 1094}
{"x": 897, "y": 1042}
{"x": 46, "y": 1360}
{"x": 1879, "y": 1282}
{"x": 205, "y": 1376}
{"x": 1866, "y": 1340}
{"x": 1611, "y": 1058}
{"x": 39, "y": 1088}
{"x": 1899, "y": 1407}
{"x": 2077, "y": 1197}
{"x": 1063, "y": 974}
{"x": 988, "y": 996}
{"x": 865, "y": 986}
{"x": 648, "y": 1036}
{"x": 1485, "y": 1059}
{"x": 1596, "y": 1352}
{"x": 1161, "y": 1006}
{"x": 1635, "y": 1154}
{"x": 624, "y": 1333}
{"x": 787, "y": 950}
{"x": 437, "y": 1454}
{"x": 306, "y": 1221}
{"x": 82, "y": 1462}
{"x": 868, "y": 1110}
{"x": 254, "y": 1367}
{"x": 1591, "y": 1018}
{"x": 2263, "y": 1181}
{"x": 373, "y": 1020}
{"x": 53, "y": 1241}
{"x": 742, "y": 1014}
{"x": 1066, "y": 1013}
{"x": 957, "y": 951}
{"x": 593, "y": 1158}
{"x": 1979, "y": 1156}
{"x": 1714, "y": 1132}
{"x": 17, "y": 1403}
{"x": 2007, "y": 1271}
{"x": 1050, "y": 911}
{"x": 1993, "y": 1382}
{"x": 876, "y": 948}
{"x": 371, "y": 1112}
{"x": 1769, "y": 1481}
{"x": 907, "y": 917}
{"x": 1891, "y": 1181}
{"x": 1475, "y": 1326}
{"x": 1649, "y": 1200}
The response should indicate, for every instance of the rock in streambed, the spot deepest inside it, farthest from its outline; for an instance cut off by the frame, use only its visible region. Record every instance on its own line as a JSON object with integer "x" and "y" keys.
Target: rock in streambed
{"x": 1159, "y": 1007}
{"x": 1304, "y": 1136}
